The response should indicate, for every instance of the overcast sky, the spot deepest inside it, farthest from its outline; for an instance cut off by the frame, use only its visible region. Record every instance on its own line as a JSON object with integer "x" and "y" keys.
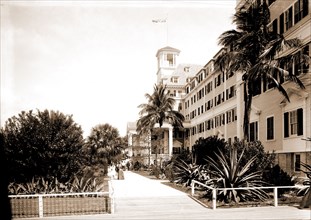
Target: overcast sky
{"x": 96, "y": 60}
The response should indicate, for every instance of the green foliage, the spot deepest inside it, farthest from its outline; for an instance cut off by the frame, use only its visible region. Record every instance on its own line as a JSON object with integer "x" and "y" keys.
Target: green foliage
{"x": 206, "y": 147}
{"x": 86, "y": 185}
{"x": 158, "y": 109}
{"x": 42, "y": 186}
{"x": 43, "y": 144}
{"x": 104, "y": 147}
{"x": 263, "y": 160}
{"x": 185, "y": 173}
{"x": 275, "y": 176}
{"x": 137, "y": 165}
{"x": 307, "y": 183}
{"x": 254, "y": 50}
{"x": 169, "y": 166}
{"x": 228, "y": 172}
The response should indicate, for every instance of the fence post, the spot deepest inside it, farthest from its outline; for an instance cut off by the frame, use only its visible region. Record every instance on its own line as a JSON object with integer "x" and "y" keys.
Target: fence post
{"x": 214, "y": 199}
{"x": 192, "y": 188}
{"x": 40, "y": 206}
{"x": 111, "y": 196}
{"x": 275, "y": 190}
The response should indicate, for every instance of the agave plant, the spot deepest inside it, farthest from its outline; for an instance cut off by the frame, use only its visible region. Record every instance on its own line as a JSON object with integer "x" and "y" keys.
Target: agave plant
{"x": 306, "y": 183}
{"x": 306, "y": 200}
{"x": 185, "y": 173}
{"x": 228, "y": 172}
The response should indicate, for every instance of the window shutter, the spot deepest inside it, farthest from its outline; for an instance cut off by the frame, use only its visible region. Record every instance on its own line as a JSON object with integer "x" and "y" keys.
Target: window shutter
{"x": 286, "y": 133}
{"x": 300, "y": 121}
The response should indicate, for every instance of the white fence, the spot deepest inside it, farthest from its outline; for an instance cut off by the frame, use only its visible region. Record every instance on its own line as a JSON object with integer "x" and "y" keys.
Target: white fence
{"x": 42, "y": 205}
{"x": 214, "y": 191}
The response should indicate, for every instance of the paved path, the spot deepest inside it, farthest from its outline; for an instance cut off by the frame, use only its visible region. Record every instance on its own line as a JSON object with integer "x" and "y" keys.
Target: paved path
{"x": 138, "y": 197}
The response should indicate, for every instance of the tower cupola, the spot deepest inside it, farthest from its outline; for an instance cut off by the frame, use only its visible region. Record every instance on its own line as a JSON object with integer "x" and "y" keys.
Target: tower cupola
{"x": 167, "y": 62}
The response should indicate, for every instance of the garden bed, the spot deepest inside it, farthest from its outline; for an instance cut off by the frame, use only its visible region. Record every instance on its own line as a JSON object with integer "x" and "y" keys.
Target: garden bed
{"x": 289, "y": 199}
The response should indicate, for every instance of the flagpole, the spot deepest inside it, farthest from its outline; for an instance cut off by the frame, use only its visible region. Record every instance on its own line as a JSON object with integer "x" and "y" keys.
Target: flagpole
{"x": 166, "y": 29}
{"x": 163, "y": 21}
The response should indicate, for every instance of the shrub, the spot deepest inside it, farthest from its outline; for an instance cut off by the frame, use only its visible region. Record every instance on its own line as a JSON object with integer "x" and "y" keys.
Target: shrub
{"x": 169, "y": 167}
{"x": 228, "y": 172}
{"x": 206, "y": 147}
{"x": 137, "y": 166}
{"x": 275, "y": 176}
{"x": 255, "y": 149}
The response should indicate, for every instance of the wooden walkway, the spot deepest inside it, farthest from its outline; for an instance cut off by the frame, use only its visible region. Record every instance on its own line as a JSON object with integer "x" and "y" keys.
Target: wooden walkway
{"x": 138, "y": 197}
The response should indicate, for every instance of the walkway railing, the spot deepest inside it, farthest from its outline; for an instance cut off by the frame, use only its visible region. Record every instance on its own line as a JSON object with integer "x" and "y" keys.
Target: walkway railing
{"x": 214, "y": 191}
{"x": 62, "y": 204}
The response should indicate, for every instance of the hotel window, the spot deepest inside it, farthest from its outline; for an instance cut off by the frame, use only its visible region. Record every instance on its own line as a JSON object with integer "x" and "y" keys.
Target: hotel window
{"x": 270, "y": 128}
{"x": 275, "y": 26}
{"x": 281, "y": 23}
{"x": 234, "y": 116}
{"x": 222, "y": 119}
{"x": 230, "y": 92}
{"x": 229, "y": 115}
{"x": 300, "y": 10}
{"x": 293, "y": 123}
{"x": 170, "y": 59}
{"x": 297, "y": 163}
{"x": 174, "y": 79}
{"x": 257, "y": 87}
{"x": 253, "y": 131}
{"x": 289, "y": 18}
{"x": 299, "y": 66}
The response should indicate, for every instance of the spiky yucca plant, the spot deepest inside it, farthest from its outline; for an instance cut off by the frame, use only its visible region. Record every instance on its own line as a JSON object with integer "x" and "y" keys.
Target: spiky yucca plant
{"x": 306, "y": 183}
{"x": 185, "y": 173}
{"x": 228, "y": 172}
{"x": 306, "y": 199}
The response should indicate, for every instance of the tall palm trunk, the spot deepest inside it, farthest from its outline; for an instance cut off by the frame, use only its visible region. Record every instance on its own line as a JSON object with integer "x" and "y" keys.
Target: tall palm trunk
{"x": 248, "y": 98}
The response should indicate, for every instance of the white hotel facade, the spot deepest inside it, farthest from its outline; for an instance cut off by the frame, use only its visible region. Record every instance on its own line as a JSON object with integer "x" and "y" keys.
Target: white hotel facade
{"x": 212, "y": 102}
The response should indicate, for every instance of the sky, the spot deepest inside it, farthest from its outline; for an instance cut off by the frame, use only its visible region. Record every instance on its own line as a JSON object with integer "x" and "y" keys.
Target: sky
{"x": 95, "y": 60}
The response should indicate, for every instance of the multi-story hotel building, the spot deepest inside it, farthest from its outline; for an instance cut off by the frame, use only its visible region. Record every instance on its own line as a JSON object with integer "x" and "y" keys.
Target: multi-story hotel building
{"x": 212, "y": 101}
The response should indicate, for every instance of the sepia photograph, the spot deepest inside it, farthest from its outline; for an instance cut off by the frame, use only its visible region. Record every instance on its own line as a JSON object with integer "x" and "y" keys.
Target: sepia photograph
{"x": 155, "y": 109}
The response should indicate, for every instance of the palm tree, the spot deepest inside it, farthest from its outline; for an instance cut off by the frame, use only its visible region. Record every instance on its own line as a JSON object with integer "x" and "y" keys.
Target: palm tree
{"x": 255, "y": 51}
{"x": 157, "y": 110}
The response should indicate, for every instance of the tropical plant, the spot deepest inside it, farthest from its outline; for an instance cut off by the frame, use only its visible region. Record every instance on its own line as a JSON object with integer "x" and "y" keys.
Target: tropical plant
{"x": 275, "y": 176}
{"x": 44, "y": 144}
{"x": 158, "y": 109}
{"x": 186, "y": 172}
{"x": 42, "y": 186}
{"x": 264, "y": 160}
{"x": 227, "y": 172}
{"x": 306, "y": 200}
{"x": 86, "y": 185}
{"x": 306, "y": 183}
{"x": 104, "y": 147}
{"x": 169, "y": 166}
{"x": 255, "y": 51}
{"x": 204, "y": 147}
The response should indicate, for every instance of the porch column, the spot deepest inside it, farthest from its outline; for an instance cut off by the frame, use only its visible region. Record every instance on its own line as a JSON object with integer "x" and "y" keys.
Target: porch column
{"x": 170, "y": 141}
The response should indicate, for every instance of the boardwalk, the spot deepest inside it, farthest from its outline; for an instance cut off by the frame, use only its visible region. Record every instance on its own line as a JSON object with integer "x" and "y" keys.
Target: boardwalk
{"x": 138, "y": 197}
